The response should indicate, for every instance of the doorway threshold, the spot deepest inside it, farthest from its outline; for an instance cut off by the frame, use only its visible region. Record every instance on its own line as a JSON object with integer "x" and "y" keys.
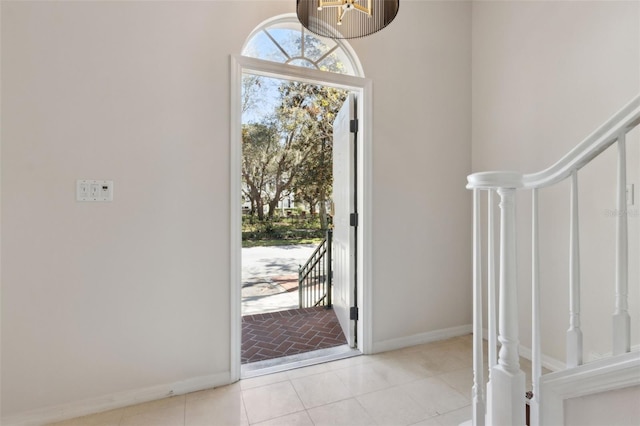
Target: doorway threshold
{"x": 290, "y": 362}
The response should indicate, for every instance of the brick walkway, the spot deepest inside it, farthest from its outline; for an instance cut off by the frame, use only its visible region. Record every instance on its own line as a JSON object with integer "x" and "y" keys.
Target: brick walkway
{"x": 278, "y": 334}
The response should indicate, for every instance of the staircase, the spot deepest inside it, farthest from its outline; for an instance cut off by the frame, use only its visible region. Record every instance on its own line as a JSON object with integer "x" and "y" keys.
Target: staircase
{"x": 501, "y": 400}
{"x": 315, "y": 276}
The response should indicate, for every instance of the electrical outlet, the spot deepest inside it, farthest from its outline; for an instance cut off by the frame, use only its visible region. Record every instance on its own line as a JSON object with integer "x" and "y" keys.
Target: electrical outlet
{"x": 94, "y": 190}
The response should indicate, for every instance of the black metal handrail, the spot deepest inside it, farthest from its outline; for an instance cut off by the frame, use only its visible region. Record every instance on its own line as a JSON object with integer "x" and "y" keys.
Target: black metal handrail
{"x": 314, "y": 278}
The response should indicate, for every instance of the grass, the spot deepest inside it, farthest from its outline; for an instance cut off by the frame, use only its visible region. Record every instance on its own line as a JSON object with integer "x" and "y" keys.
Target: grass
{"x": 280, "y": 231}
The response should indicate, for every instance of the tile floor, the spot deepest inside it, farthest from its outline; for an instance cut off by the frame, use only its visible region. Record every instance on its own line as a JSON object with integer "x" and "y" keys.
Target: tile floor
{"x": 290, "y": 332}
{"x": 428, "y": 384}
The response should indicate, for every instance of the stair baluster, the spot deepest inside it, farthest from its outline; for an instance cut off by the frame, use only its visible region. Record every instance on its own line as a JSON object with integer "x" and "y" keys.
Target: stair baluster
{"x": 621, "y": 320}
{"x": 574, "y": 333}
{"x": 536, "y": 367}
{"x": 478, "y": 379}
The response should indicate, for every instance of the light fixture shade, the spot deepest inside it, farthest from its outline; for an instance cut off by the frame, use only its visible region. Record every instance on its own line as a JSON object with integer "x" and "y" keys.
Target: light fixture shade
{"x": 346, "y": 18}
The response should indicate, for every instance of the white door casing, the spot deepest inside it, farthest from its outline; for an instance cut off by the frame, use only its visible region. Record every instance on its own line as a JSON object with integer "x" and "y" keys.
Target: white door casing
{"x": 363, "y": 87}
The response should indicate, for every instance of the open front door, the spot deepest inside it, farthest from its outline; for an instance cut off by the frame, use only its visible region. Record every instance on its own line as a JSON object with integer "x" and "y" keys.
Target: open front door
{"x": 345, "y": 219}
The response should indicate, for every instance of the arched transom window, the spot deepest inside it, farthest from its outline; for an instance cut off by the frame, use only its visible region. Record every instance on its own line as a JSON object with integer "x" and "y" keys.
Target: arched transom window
{"x": 283, "y": 39}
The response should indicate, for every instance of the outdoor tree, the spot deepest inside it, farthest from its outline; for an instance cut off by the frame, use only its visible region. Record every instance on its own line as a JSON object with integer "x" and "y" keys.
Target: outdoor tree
{"x": 289, "y": 150}
{"x": 251, "y": 86}
{"x": 314, "y": 184}
{"x": 260, "y": 148}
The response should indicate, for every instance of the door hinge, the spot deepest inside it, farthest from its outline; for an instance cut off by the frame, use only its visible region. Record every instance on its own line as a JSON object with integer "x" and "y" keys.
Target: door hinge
{"x": 353, "y": 125}
{"x": 353, "y": 219}
{"x": 353, "y": 313}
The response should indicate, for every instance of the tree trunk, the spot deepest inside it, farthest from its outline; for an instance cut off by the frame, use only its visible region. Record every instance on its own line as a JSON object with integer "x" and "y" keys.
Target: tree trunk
{"x": 323, "y": 209}
{"x": 260, "y": 208}
{"x": 273, "y": 205}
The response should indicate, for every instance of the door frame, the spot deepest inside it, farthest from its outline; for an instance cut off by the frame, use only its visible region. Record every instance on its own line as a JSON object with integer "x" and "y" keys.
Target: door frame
{"x": 363, "y": 87}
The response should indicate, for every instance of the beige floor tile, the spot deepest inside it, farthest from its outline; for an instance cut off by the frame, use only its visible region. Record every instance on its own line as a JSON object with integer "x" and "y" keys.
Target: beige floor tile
{"x": 271, "y": 401}
{"x": 176, "y": 402}
{"x": 361, "y": 379}
{"x": 171, "y": 415}
{"x": 446, "y": 358}
{"x": 436, "y": 396}
{"x": 348, "y": 413}
{"x": 419, "y": 363}
{"x": 456, "y": 417}
{"x": 296, "y": 419}
{"x": 393, "y": 406}
{"x": 108, "y": 418}
{"x": 320, "y": 389}
{"x": 425, "y": 385}
{"x": 460, "y": 380}
{"x": 350, "y": 362}
{"x": 397, "y": 370}
{"x": 207, "y": 393}
{"x": 267, "y": 379}
{"x": 216, "y": 408}
{"x": 431, "y": 421}
{"x": 466, "y": 338}
{"x": 308, "y": 371}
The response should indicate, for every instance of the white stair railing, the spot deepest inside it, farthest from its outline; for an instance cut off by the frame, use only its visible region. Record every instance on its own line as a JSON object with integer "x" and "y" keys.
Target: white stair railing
{"x": 501, "y": 400}
{"x": 621, "y": 321}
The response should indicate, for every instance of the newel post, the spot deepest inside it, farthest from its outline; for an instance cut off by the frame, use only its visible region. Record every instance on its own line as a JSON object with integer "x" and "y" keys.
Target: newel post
{"x": 506, "y": 387}
{"x": 507, "y": 380}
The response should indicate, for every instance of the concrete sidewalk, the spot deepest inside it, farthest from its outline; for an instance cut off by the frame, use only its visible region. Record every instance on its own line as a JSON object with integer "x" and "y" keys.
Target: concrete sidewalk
{"x": 270, "y": 277}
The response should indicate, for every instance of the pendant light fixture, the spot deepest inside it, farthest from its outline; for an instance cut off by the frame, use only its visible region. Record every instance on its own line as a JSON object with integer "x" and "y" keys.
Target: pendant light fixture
{"x": 346, "y": 18}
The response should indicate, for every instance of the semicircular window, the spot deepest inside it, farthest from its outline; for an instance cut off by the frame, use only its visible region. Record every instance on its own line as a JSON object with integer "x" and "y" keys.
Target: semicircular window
{"x": 286, "y": 41}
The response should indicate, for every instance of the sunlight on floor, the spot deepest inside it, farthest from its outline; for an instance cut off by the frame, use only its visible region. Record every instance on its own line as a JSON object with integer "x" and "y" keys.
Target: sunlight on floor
{"x": 428, "y": 384}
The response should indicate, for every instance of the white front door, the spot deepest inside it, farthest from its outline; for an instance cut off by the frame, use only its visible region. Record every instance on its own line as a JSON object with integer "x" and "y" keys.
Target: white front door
{"x": 344, "y": 206}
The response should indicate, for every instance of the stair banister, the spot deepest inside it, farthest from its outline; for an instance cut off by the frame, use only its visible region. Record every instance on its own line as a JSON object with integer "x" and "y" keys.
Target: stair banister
{"x": 506, "y": 381}
{"x": 624, "y": 120}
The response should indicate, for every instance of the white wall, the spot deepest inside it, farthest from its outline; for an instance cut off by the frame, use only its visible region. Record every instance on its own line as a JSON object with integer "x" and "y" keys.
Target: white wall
{"x": 545, "y": 75}
{"x": 100, "y": 299}
{"x": 421, "y": 67}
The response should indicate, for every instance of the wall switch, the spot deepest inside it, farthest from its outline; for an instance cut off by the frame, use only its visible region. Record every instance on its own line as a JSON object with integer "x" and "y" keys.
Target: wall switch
{"x": 83, "y": 190}
{"x": 630, "y": 195}
{"x": 94, "y": 190}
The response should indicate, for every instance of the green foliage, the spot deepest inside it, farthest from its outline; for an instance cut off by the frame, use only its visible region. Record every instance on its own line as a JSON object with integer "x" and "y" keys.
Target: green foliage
{"x": 290, "y": 150}
{"x": 277, "y": 228}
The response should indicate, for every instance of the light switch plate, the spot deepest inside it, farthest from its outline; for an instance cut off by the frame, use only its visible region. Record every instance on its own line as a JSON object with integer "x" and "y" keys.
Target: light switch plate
{"x": 94, "y": 190}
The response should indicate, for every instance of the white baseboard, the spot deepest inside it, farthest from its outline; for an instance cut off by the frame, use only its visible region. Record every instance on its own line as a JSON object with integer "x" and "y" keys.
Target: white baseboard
{"x": 546, "y": 361}
{"x": 418, "y": 339}
{"x": 525, "y": 352}
{"x": 116, "y": 400}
